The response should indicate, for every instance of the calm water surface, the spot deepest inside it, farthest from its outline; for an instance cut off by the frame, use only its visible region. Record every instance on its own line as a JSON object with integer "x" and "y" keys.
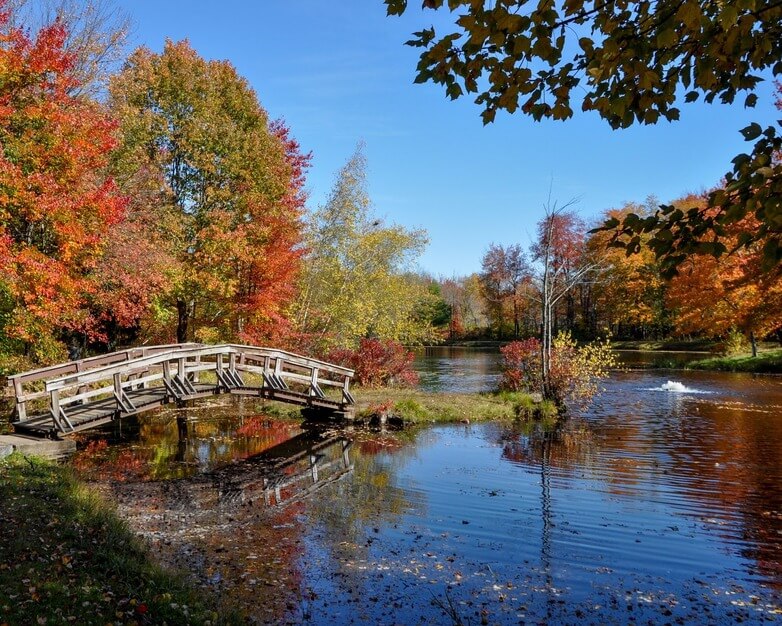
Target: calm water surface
{"x": 470, "y": 370}
{"x": 652, "y": 506}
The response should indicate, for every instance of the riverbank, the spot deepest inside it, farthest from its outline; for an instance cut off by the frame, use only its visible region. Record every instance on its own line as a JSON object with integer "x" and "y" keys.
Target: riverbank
{"x": 70, "y": 558}
{"x": 767, "y": 362}
{"x": 418, "y": 407}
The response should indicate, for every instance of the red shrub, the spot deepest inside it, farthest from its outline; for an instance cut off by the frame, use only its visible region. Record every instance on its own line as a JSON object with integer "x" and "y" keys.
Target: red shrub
{"x": 378, "y": 363}
{"x": 521, "y": 366}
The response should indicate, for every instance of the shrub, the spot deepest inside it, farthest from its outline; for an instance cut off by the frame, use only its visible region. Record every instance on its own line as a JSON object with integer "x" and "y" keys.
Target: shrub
{"x": 378, "y": 363}
{"x": 735, "y": 343}
{"x": 521, "y": 366}
{"x": 574, "y": 371}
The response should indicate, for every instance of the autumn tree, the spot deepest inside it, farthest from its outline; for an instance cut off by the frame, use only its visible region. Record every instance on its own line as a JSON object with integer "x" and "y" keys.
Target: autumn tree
{"x": 712, "y": 296}
{"x": 504, "y": 271}
{"x": 355, "y": 282}
{"x": 464, "y": 296}
{"x": 136, "y": 270}
{"x": 57, "y": 205}
{"x": 233, "y": 179}
{"x": 96, "y": 32}
{"x": 561, "y": 265}
{"x": 630, "y": 62}
{"x": 629, "y": 298}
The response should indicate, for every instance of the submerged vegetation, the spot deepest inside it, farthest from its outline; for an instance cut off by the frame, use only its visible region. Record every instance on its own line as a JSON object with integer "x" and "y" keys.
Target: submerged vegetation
{"x": 70, "y": 559}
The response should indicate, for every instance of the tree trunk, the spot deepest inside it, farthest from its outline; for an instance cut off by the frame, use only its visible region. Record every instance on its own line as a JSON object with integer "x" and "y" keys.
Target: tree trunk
{"x": 183, "y": 318}
{"x": 753, "y": 343}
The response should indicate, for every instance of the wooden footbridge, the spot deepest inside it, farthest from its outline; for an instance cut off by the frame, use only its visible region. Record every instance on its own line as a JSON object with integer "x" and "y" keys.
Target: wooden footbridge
{"x": 78, "y": 395}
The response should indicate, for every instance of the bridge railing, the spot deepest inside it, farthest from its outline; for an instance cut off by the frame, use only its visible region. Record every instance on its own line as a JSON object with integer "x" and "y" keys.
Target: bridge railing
{"x": 177, "y": 372}
{"x": 26, "y": 390}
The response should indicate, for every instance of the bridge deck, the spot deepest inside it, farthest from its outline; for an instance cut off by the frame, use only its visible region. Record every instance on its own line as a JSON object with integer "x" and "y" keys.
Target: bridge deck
{"x": 93, "y": 397}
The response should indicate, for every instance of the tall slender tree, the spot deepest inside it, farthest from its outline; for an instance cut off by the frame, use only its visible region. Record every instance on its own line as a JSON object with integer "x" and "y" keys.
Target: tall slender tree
{"x": 561, "y": 266}
{"x": 354, "y": 282}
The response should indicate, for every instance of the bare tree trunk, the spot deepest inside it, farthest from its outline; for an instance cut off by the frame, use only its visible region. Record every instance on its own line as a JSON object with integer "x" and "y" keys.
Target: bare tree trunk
{"x": 546, "y": 314}
{"x": 183, "y": 320}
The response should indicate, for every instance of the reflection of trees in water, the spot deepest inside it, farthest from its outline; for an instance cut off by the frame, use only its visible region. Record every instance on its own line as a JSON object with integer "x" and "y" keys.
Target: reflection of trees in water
{"x": 730, "y": 457}
{"x": 540, "y": 445}
{"x": 176, "y": 444}
{"x": 723, "y": 459}
{"x": 567, "y": 445}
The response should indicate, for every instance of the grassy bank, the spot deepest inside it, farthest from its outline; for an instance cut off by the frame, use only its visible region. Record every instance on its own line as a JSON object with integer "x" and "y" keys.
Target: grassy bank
{"x": 420, "y": 407}
{"x": 768, "y": 362}
{"x": 68, "y": 558}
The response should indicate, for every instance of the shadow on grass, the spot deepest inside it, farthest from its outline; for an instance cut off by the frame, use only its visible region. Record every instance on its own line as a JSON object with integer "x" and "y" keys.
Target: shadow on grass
{"x": 68, "y": 558}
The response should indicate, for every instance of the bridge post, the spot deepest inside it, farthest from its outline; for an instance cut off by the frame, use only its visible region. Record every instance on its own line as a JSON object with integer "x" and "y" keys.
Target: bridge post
{"x": 80, "y": 368}
{"x": 21, "y": 403}
{"x": 55, "y": 408}
{"x": 196, "y": 374}
{"x": 167, "y": 380}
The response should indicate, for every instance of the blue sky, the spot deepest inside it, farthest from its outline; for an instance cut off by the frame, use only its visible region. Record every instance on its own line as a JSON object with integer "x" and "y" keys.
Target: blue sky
{"x": 338, "y": 73}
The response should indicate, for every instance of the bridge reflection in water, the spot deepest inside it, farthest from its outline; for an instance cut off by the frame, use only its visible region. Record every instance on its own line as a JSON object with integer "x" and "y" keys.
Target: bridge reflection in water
{"x": 285, "y": 473}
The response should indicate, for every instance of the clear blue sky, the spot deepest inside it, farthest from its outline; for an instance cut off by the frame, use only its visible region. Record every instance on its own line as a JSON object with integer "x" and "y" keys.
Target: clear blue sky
{"x": 338, "y": 73}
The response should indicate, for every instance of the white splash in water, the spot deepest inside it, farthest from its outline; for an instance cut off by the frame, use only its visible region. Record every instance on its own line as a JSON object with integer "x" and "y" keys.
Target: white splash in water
{"x": 674, "y": 386}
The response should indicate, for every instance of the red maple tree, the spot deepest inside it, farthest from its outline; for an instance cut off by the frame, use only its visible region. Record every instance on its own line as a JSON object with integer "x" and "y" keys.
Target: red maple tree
{"x": 56, "y": 205}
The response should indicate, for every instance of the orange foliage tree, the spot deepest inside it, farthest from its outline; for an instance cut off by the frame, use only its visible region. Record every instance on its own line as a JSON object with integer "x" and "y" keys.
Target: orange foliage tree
{"x": 714, "y": 295}
{"x": 629, "y": 297}
{"x": 233, "y": 182}
{"x": 56, "y": 203}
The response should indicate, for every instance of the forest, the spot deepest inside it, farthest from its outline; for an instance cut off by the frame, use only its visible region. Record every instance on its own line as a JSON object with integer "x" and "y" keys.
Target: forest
{"x": 159, "y": 202}
{"x": 616, "y": 294}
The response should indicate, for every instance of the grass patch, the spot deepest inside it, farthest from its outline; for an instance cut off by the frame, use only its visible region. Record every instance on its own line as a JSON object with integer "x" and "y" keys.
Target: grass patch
{"x": 769, "y": 362}
{"x": 419, "y": 407}
{"x": 68, "y": 558}
{"x": 673, "y": 345}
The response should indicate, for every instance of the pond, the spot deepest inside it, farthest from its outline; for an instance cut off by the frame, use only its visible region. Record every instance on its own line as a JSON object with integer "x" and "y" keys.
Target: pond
{"x": 660, "y": 503}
